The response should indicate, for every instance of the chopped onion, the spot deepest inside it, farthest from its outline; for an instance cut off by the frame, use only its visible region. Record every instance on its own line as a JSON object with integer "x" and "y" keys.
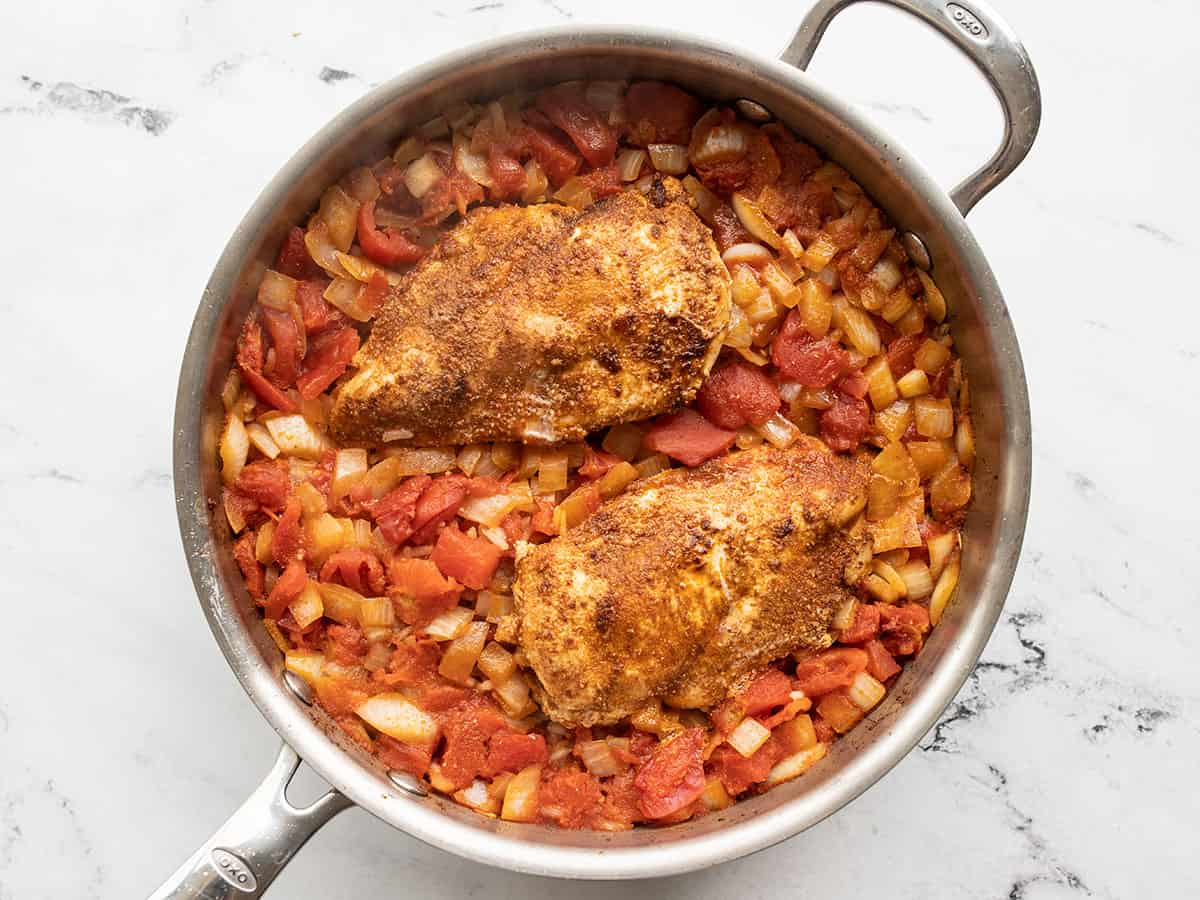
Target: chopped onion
{"x": 490, "y": 511}
{"x": 755, "y": 222}
{"x": 362, "y": 269}
{"x": 964, "y": 442}
{"x": 468, "y": 458}
{"x": 670, "y": 159}
{"x": 880, "y": 384}
{"x": 235, "y": 446}
{"x": 410, "y": 149}
{"x": 305, "y": 663}
{"x": 339, "y": 212}
{"x": 575, "y": 192}
{"x": 721, "y": 143}
{"x": 473, "y": 165}
{"x": 277, "y": 291}
{"x": 779, "y": 431}
{"x": 450, "y": 624}
{"x": 761, "y": 309}
{"x": 780, "y": 285}
{"x": 918, "y": 581}
{"x": 497, "y": 663}
{"x": 342, "y": 604}
{"x": 865, "y": 692}
{"x": 343, "y": 294}
{"x": 707, "y": 203}
{"x": 364, "y": 187}
{"x": 886, "y": 274}
{"x": 934, "y": 417}
{"x": 308, "y": 607}
{"x": 931, "y": 356}
{"x": 496, "y": 535}
{"x": 348, "y": 468}
{"x": 748, "y": 736}
{"x": 296, "y": 437}
{"x": 789, "y": 391}
{"x": 898, "y": 304}
{"x": 859, "y": 329}
{"x": 322, "y": 249}
{"x": 616, "y": 479}
{"x": 792, "y": 245}
{"x": 652, "y": 465}
{"x": 260, "y": 438}
{"x": 623, "y": 440}
{"x": 629, "y": 164}
{"x": 513, "y": 695}
{"x": 521, "y": 796}
{"x": 421, "y": 460}
{"x": 940, "y": 547}
{"x": 819, "y": 253}
{"x": 935, "y": 302}
{"x": 943, "y": 590}
{"x": 435, "y": 128}
{"x": 551, "y": 472}
{"x": 598, "y": 758}
{"x": 377, "y": 612}
{"x": 421, "y": 175}
{"x": 750, "y": 254}
{"x": 458, "y": 660}
{"x": 536, "y": 182}
{"x": 738, "y": 333}
{"x": 396, "y": 717}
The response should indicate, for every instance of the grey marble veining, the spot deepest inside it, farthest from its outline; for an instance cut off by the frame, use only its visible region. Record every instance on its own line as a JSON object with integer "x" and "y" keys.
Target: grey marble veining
{"x": 135, "y": 135}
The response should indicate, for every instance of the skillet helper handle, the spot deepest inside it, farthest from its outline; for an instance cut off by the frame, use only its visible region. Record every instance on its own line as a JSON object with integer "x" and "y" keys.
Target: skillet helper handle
{"x": 241, "y": 860}
{"x": 990, "y": 44}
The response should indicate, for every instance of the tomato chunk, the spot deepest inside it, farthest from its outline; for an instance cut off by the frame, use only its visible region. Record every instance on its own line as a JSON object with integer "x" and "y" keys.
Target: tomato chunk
{"x": 328, "y": 357}
{"x": 469, "y": 560}
{"x": 596, "y": 463}
{"x": 293, "y": 259}
{"x": 845, "y": 424}
{"x": 566, "y": 106}
{"x": 287, "y": 543}
{"x": 356, "y": 568}
{"x": 830, "y": 670}
{"x": 738, "y": 394}
{"x": 437, "y": 504}
{"x": 267, "y": 392}
{"x": 880, "y": 664}
{"x": 770, "y": 689}
{"x": 673, "y": 777}
{"x": 423, "y": 591}
{"x": 243, "y": 554}
{"x": 900, "y": 353}
{"x": 315, "y": 312}
{"x": 467, "y": 727}
{"x": 903, "y": 628}
{"x": 287, "y": 588}
{"x": 509, "y": 752}
{"x": 389, "y": 247}
{"x": 507, "y": 173}
{"x": 864, "y": 627}
{"x": 557, "y": 160}
{"x": 800, "y": 358}
{"x": 737, "y": 772}
{"x": 288, "y": 340}
{"x": 660, "y": 113}
{"x": 688, "y": 437}
{"x": 394, "y": 512}
{"x": 266, "y": 482}
{"x": 728, "y": 229}
{"x": 569, "y": 797}
{"x": 411, "y": 758}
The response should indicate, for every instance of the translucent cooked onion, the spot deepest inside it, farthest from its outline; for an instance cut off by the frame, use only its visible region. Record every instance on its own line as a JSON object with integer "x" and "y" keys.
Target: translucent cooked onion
{"x": 779, "y": 431}
{"x": 421, "y": 175}
{"x": 755, "y": 222}
{"x": 322, "y": 250}
{"x": 491, "y": 511}
{"x": 935, "y": 302}
{"x": 277, "y": 291}
{"x": 629, "y": 164}
{"x": 349, "y": 467}
{"x": 364, "y": 187}
{"x": 339, "y": 212}
{"x": 235, "y": 445}
{"x": 739, "y": 333}
{"x": 865, "y": 692}
{"x": 598, "y": 758}
{"x": 409, "y": 149}
{"x": 513, "y": 695}
{"x": 458, "y": 660}
{"x": 749, "y": 254}
{"x": 721, "y": 143}
{"x": 342, "y": 294}
{"x": 536, "y": 182}
{"x": 575, "y": 192}
{"x": 934, "y": 417}
{"x": 886, "y": 274}
{"x": 308, "y": 607}
{"x": 421, "y": 460}
{"x": 341, "y": 603}
{"x": 706, "y": 201}
{"x": 450, "y": 624}
{"x": 670, "y": 159}
{"x": 397, "y": 717}
{"x": 473, "y": 165}
{"x": 296, "y": 437}
{"x": 749, "y": 736}
{"x": 261, "y": 439}
{"x": 623, "y": 440}
{"x": 918, "y": 581}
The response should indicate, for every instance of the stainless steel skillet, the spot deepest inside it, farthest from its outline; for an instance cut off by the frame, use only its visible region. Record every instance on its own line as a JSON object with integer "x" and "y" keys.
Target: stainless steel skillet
{"x": 248, "y": 851}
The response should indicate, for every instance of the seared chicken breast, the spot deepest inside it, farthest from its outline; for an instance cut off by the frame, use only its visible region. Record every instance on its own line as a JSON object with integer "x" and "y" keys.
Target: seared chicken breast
{"x": 692, "y": 579}
{"x": 542, "y": 323}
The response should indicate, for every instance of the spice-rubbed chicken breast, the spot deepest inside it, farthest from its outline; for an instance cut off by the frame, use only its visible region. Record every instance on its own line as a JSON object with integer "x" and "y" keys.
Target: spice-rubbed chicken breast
{"x": 543, "y": 323}
{"x": 692, "y": 579}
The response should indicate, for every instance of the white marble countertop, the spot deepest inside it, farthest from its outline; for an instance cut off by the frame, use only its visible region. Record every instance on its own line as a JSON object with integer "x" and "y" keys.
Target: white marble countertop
{"x": 135, "y": 136}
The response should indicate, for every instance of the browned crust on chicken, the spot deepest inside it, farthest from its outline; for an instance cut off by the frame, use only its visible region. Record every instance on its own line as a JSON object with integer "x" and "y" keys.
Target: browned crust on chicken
{"x": 542, "y": 323}
{"x": 691, "y": 579}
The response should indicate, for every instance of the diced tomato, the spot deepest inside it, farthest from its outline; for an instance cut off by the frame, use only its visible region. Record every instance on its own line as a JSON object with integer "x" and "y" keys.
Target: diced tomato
{"x": 801, "y": 358}
{"x": 345, "y": 644}
{"x": 316, "y": 313}
{"x": 250, "y": 354}
{"x": 940, "y": 381}
{"x": 516, "y": 527}
{"x": 373, "y": 295}
{"x": 900, "y": 353}
{"x": 728, "y": 229}
{"x": 467, "y": 727}
{"x": 854, "y": 384}
{"x": 543, "y": 517}
{"x": 341, "y": 696}
{"x": 266, "y": 482}
{"x": 288, "y": 340}
{"x": 569, "y": 797}
{"x": 267, "y": 392}
{"x": 557, "y": 160}
{"x": 389, "y": 247}
{"x": 660, "y": 113}
{"x": 310, "y": 637}
{"x": 864, "y": 627}
{"x": 287, "y": 588}
{"x": 437, "y": 697}
{"x": 738, "y": 394}
{"x": 294, "y": 260}
{"x": 455, "y": 192}
{"x": 469, "y": 560}
{"x": 566, "y": 106}
{"x": 328, "y": 356}
{"x": 509, "y": 752}
{"x": 437, "y": 504}
{"x": 243, "y": 554}
{"x": 829, "y": 670}
{"x": 688, "y": 437}
{"x": 604, "y": 181}
{"x": 737, "y": 772}
{"x": 880, "y": 664}
{"x": 394, "y": 512}
{"x": 238, "y": 505}
{"x": 825, "y": 732}
{"x": 596, "y": 463}
{"x": 507, "y": 173}
{"x": 621, "y": 806}
{"x": 845, "y": 424}
{"x": 414, "y": 662}
{"x": 411, "y": 758}
{"x": 424, "y": 591}
{"x": 673, "y": 777}
{"x": 725, "y": 176}
{"x": 770, "y": 689}
{"x": 287, "y": 543}
{"x": 356, "y": 568}
{"x": 903, "y": 628}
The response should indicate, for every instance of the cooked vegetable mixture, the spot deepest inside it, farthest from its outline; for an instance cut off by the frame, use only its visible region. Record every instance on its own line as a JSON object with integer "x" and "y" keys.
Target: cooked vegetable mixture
{"x": 384, "y": 572}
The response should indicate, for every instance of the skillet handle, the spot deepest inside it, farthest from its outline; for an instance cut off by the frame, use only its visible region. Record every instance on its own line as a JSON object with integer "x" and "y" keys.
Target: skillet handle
{"x": 241, "y": 860}
{"x": 990, "y": 44}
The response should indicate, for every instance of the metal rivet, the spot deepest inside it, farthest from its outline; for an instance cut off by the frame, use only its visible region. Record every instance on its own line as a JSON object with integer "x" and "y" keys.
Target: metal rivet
{"x": 916, "y": 250}
{"x": 755, "y": 112}
{"x": 300, "y": 688}
{"x": 407, "y": 783}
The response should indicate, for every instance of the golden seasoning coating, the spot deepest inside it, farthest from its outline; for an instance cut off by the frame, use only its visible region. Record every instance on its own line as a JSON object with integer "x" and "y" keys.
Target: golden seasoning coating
{"x": 685, "y": 583}
{"x": 543, "y": 323}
